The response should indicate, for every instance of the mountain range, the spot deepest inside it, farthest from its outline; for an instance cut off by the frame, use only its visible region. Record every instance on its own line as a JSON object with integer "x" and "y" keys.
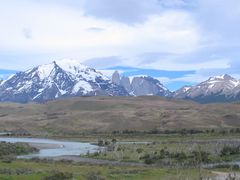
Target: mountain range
{"x": 216, "y": 89}
{"x": 69, "y": 78}
{"x": 59, "y": 79}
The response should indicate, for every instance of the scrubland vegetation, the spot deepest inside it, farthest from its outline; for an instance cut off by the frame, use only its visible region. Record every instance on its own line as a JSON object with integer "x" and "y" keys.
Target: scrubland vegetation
{"x": 48, "y": 170}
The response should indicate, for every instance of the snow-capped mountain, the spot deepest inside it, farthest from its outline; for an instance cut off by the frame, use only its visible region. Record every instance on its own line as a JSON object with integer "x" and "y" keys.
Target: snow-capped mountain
{"x": 143, "y": 85}
{"x": 58, "y": 79}
{"x": 216, "y": 89}
{"x": 69, "y": 78}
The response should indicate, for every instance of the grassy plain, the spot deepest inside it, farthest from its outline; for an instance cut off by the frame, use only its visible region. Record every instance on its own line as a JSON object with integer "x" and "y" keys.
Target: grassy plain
{"x": 41, "y": 170}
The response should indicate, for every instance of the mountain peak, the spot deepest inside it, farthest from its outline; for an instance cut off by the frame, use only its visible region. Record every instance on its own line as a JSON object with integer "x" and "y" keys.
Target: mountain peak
{"x": 215, "y": 89}
{"x": 71, "y": 65}
{"x": 116, "y": 78}
{"x": 226, "y": 76}
{"x": 222, "y": 77}
{"x": 64, "y": 78}
{"x": 45, "y": 70}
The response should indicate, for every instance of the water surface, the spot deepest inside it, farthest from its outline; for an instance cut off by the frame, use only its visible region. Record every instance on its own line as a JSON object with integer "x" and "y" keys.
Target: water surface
{"x": 62, "y": 148}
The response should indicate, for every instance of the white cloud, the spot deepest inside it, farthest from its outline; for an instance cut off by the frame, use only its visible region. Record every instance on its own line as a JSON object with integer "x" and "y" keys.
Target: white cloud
{"x": 52, "y": 29}
{"x": 178, "y": 64}
{"x": 200, "y": 35}
{"x": 126, "y": 11}
{"x": 192, "y": 78}
{"x": 109, "y": 73}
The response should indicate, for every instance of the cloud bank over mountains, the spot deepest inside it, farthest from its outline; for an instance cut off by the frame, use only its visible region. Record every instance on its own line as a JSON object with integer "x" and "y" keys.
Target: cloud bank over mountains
{"x": 196, "y": 36}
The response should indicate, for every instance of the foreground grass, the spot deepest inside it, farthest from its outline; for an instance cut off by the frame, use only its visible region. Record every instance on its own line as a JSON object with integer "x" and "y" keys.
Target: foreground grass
{"x": 146, "y": 144}
{"x": 37, "y": 171}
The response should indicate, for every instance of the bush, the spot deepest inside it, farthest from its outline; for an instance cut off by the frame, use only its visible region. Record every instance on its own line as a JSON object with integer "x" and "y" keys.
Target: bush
{"x": 107, "y": 143}
{"x": 178, "y": 157}
{"x": 59, "y": 176}
{"x": 20, "y": 171}
{"x": 114, "y": 140}
{"x": 139, "y": 150}
{"x": 228, "y": 150}
{"x": 235, "y": 167}
{"x": 222, "y": 166}
{"x": 181, "y": 156}
{"x": 149, "y": 161}
{"x": 8, "y": 159}
{"x": 100, "y": 143}
{"x": 94, "y": 176}
{"x": 96, "y": 154}
{"x": 200, "y": 156}
{"x": 15, "y": 149}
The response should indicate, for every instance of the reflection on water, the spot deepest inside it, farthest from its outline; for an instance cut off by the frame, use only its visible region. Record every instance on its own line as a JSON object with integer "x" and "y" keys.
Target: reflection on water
{"x": 63, "y": 148}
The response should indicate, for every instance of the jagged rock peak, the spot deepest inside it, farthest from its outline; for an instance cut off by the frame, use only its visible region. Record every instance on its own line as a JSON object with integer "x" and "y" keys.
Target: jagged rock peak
{"x": 140, "y": 86}
{"x": 146, "y": 85}
{"x": 116, "y": 78}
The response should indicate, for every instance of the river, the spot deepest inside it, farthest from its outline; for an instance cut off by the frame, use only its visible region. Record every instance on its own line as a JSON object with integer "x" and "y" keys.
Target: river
{"x": 54, "y": 148}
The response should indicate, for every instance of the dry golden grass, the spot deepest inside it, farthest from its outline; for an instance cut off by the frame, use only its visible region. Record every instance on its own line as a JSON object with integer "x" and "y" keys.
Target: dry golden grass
{"x": 103, "y": 114}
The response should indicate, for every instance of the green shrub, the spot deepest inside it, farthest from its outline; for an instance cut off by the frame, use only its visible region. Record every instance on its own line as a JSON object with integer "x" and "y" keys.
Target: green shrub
{"x": 59, "y": 176}
{"x": 139, "y": 150}
{"x": 149, "y": 161}
{"x": 15, "y": 149}
{"x": 235, "y": 167}
{"x": 228, "y": 150}
{"x": 94, "y": 176}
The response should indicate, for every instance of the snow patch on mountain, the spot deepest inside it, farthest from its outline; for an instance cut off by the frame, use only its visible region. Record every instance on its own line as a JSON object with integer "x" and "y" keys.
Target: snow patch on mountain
{"x": 55, "y": 80}
{"x": 215, "y": 89}
{"x": 82, "y": 85}
{"x": 44, "y": 71}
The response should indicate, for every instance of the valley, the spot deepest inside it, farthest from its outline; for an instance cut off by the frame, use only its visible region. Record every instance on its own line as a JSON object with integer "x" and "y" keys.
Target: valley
{"x": 145, "y": 137}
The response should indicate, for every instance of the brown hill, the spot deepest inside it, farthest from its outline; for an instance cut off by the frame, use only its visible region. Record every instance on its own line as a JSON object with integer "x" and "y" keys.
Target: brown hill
{"x": 101, "y": 114}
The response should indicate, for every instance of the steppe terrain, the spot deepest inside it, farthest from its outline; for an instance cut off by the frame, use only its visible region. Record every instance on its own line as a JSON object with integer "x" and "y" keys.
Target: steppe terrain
{"x": 108, "y": 114}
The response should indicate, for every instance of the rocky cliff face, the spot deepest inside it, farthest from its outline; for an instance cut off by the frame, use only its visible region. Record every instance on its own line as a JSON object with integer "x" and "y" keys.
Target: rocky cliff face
{"x": 116, "y": 78}
{"x": 141, "y": 86}
{"x": 148, "y": 86}
{"x": 125, "y": 82}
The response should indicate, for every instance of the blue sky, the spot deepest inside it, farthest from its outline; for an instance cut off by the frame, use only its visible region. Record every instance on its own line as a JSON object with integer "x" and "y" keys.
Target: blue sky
{"x": 161, "y": 75}
{"x": 178, "y": 41}
{"x": 4, "y": 74}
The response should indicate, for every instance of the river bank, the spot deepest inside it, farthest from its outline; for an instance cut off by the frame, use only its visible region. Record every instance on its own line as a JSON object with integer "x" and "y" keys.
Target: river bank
{"x": 54, "y": 148}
